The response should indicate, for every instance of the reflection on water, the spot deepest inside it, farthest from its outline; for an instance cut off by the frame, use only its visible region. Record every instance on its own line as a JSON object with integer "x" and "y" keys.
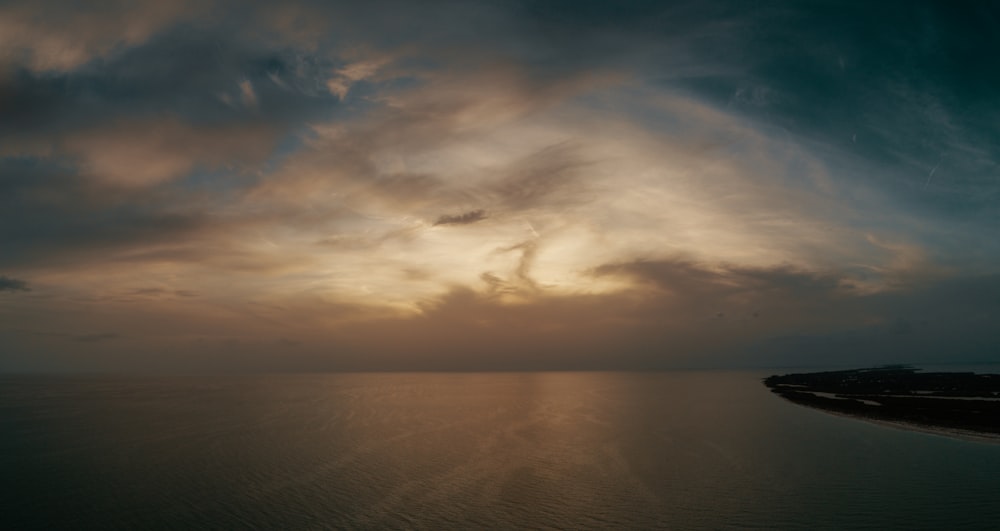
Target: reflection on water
{"x": 487, "y": 450}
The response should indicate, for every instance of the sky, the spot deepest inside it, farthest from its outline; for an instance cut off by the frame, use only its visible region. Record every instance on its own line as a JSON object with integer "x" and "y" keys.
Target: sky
{"x": 497, "y": 185}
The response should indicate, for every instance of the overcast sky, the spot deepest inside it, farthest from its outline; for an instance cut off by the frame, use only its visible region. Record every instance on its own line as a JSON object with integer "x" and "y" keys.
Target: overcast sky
{"x": 477, "y": 184}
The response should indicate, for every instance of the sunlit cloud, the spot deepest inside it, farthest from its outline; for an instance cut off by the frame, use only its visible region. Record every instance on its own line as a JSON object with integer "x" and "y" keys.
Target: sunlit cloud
{"x": 150, "y": 152}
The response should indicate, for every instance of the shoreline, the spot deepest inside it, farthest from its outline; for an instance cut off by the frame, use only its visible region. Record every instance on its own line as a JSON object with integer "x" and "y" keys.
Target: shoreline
{"x": 960, "y": 405}
{"x": 901, "y": 425}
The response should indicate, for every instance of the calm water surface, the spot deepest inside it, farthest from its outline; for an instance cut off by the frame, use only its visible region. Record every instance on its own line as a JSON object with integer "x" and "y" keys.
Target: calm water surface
{"x": 669, "y": 450}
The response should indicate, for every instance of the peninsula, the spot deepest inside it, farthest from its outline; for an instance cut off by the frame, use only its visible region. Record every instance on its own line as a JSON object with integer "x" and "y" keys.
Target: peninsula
{"x": 959, "y": 403}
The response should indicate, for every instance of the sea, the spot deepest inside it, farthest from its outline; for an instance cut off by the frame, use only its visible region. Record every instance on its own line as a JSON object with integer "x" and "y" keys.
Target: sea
{"x": 441, "y": 451}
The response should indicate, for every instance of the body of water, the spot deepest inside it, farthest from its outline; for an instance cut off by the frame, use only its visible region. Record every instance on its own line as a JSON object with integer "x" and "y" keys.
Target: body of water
{"x": 586, "y": 450}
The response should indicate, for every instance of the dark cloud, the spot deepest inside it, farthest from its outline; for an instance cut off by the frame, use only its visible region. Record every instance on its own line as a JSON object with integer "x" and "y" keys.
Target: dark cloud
{"x": 48, "y": 212}
{"x": 12, "y": 284}
{"x": 907, "y": 90}
{"x": 199, "y": 70}
{"x": 466, "y": 218}
{"x": 720, "y": 283}
{"x": 191, "y": 72}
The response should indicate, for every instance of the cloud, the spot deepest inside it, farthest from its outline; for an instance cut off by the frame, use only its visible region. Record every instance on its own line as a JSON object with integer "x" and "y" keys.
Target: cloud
{"x": 96, "y": 338}
{"x": 146, "y": 153}
{"x": 13, "y": 284}
{"x": 157, "y": 293}
{"x": 50, "y": 213}
{"x": 72, "y": 35}
{"x": 549, "y": 177}
{"x": 699, "y": 291}
{"x": 181, "y": 75}
{"x": 466, "y": 218}
{"x": 668, "y": 317}
{"x": 345, "y": 77}
{"x": 522, "y": 273}
{"x": 306, "y": 165}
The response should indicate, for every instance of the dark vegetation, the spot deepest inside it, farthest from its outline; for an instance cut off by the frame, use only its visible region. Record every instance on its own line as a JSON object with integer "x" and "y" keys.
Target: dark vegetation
{"x": 953, "y": 400}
